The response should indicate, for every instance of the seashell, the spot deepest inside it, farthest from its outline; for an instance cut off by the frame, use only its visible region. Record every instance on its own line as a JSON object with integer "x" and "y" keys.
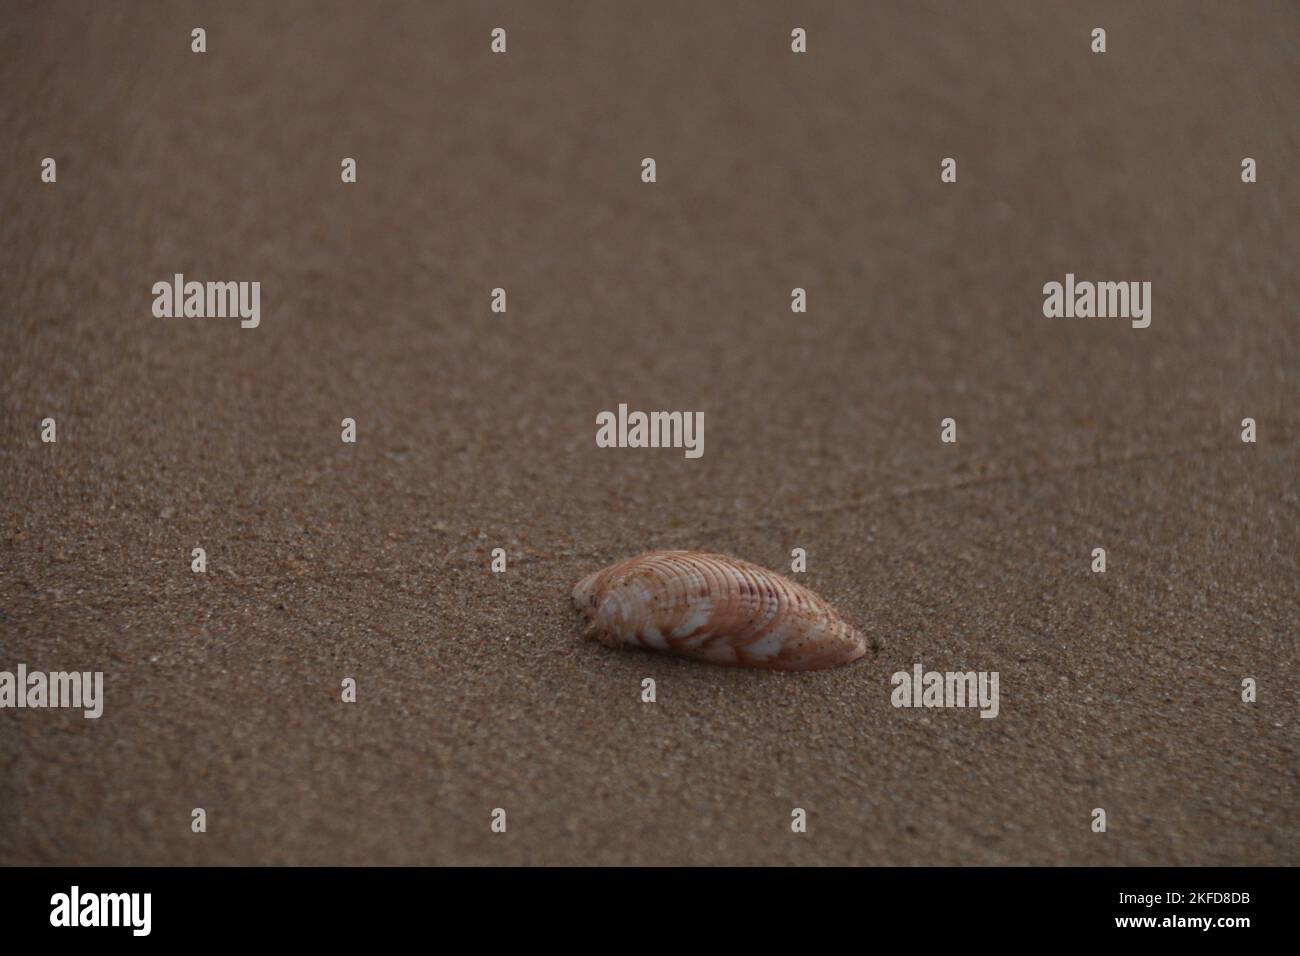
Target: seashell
{"x": 714, "y": 608}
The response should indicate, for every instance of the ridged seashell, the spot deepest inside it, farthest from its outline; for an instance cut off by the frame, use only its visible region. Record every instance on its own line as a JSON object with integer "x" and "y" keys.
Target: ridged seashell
{"x": 714, "y": 608}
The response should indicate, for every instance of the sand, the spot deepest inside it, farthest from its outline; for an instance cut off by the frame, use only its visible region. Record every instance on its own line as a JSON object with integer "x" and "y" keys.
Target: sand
{"x": 476, "y": 430}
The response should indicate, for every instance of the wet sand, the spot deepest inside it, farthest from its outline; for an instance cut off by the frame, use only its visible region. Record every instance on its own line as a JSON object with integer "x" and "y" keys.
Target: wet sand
{"x": 476, "y": 430}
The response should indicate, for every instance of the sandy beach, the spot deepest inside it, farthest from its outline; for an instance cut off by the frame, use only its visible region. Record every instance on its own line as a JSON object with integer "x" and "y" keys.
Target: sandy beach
{"x": 475, "y": 430}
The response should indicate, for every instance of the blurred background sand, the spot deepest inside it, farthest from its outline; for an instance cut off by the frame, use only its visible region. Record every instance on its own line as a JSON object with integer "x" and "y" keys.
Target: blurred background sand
{"x": 476, "y": 430}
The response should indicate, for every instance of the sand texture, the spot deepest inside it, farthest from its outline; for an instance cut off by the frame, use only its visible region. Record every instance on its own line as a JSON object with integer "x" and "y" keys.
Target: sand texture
{"x": 476, "y": 430}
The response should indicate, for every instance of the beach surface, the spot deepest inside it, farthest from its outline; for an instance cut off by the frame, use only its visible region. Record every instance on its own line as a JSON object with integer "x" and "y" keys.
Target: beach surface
{"x": 475, "y": 430}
